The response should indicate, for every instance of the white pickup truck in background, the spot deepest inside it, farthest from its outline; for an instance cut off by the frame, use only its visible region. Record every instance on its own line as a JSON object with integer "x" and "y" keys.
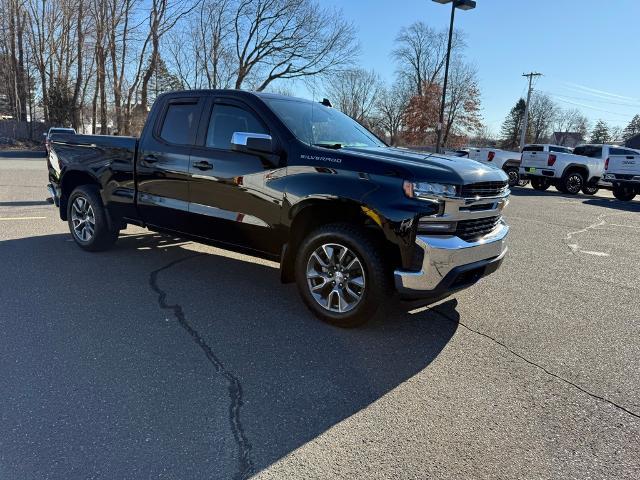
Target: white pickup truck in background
{"x": 569, "y": 172}
{"x": 623, "y": 173}
{"x": 502, "y": 159}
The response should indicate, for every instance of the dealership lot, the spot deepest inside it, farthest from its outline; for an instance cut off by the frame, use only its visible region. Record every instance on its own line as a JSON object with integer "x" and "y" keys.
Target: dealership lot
{"x": 164, "y": 358}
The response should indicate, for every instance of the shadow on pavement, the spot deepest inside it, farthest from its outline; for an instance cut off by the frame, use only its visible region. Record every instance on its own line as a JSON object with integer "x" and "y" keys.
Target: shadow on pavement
{"x": 31, "y": 203}
{"x": 632, "y": 206}
{"x": 26, "y": 154}
{"x": 280, "y": 376}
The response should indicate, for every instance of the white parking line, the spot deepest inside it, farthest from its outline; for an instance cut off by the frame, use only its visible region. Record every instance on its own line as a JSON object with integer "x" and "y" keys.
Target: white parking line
{"x": 6, "y": 219}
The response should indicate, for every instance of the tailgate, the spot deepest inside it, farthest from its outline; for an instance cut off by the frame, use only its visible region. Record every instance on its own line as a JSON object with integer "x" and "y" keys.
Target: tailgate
{"x": 534, "y": 159}
{"x": 624, "y": 164}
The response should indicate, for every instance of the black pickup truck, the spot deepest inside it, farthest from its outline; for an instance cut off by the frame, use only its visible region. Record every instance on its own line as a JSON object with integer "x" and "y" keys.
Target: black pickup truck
{"x": 351, "y": 220}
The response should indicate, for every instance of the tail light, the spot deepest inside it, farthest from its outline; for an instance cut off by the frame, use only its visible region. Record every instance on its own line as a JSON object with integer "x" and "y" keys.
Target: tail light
{"x": 491, "y": 156}
{"x": 551, "y": 160}
{"x": 606, "y": 164}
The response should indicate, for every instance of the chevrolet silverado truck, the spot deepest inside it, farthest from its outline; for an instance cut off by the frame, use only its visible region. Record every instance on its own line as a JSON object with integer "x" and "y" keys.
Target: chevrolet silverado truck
{"x": 502, "y": 159}
{"x": 352, "y": 221}
{"x": 622, "y": 172}
{"x": 568, "y": 172}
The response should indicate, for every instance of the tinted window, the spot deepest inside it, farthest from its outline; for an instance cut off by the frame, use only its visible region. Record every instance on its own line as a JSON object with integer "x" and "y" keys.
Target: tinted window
{"x": 533, "y": 148}
{"x": 592, "y": 151}
{"x": 225, "y": 120}
{"x": 61, "y": 130}
{"x": 621, "y": 151}
{"x": 560, "y": 149}
{"x": 179, "y": 126}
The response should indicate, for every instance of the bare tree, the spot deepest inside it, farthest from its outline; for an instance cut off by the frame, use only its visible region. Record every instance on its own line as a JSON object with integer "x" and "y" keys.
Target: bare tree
{"x": 420, "y": 54}
{"x": 462, "y": 107}
{"x": 390, "y": 106}
{"x": 570, "y": 121}
{"x": 354, "y": 92}
{"x": 287, "y": 39}
{"x": 542, "y": 113}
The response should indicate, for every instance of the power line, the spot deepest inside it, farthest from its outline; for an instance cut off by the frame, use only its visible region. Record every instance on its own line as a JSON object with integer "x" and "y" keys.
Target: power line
{"x": 630, "y": 105}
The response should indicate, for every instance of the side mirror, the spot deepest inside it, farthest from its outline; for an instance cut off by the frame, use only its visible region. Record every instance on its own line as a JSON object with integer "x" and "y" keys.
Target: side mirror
{"x": 256, "y": 143}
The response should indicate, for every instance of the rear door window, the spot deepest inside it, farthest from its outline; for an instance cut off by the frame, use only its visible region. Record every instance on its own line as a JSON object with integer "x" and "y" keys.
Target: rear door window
{"x": 592, "y": 151}
{"x": 180, "y": 123}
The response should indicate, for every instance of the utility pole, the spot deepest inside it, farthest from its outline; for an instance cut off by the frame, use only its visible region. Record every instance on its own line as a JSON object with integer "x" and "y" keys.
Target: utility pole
{"x": 525, "y": 120}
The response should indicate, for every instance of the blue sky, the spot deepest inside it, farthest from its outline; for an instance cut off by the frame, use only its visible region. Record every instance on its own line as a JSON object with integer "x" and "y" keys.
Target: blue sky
{"x": 589, "y": 51}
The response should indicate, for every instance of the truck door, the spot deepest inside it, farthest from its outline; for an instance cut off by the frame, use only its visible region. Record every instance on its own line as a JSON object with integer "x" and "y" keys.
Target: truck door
{"x": 230, "y": 197}
{"x": 163, "y": 164}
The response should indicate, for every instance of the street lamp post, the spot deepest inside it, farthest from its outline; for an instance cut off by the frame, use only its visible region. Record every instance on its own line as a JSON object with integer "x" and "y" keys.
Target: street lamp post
{"x": 462, "y": 5}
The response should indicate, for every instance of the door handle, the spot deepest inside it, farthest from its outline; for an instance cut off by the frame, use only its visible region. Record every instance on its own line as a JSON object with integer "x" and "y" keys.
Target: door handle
{"x": 203, "y": 165}
{"x": 150, "y": 159}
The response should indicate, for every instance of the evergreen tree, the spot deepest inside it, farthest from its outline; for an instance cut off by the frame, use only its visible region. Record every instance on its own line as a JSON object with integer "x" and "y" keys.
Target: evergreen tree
{"x": 163, "y": 80}
{"x": 512, "y": 126}
{"x": 600, "y": 133}
{"x": 632, "y": 129}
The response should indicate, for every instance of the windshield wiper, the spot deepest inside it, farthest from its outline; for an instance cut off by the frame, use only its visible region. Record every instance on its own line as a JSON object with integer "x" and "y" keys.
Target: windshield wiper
{"x": 334, "y": 146}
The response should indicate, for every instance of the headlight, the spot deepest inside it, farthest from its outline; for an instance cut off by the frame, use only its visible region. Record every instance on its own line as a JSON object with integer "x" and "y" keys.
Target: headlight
{"x": 429, "y": 190}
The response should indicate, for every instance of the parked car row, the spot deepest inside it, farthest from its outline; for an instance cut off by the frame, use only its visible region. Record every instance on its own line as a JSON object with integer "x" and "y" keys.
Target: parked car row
{"x": 572, "y": 172}
{"x": 586, "y": 168}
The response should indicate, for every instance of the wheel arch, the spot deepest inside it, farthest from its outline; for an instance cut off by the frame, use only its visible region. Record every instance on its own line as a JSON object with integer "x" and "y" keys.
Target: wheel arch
{"x": 313, "y": 213}
{"x": 69, "y": 182}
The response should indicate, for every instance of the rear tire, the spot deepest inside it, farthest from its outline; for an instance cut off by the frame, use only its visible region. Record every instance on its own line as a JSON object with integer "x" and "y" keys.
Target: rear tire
{"x": 590, "y": 189}
{"x": 624, "y": 194}
{"x": 514, "y": 176}
{"x": 540, "y": 184}
{"x": 88, "y": 221}
{"x": 572, "y": 182}
{"x": 339, "y": 294}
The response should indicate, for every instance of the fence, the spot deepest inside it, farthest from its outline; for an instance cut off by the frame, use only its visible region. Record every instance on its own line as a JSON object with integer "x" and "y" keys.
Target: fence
{"x": 16, "y": 130}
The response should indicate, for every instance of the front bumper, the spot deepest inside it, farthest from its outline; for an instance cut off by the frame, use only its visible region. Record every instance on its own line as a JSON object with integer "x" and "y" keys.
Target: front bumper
{"x": 451, "y": 264}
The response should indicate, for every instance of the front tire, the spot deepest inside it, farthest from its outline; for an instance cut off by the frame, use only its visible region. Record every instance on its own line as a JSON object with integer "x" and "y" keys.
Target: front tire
{"x": 572, "y": 182}
{"x": 624, "y": 194}
{"x": 540, "y": 184}
{"x": 87, "y": 220}
{"x": 341, "y": 275}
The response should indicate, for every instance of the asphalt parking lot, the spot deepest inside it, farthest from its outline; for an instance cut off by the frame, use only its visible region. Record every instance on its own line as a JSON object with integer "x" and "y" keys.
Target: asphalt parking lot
{"x": 167, "y": 359}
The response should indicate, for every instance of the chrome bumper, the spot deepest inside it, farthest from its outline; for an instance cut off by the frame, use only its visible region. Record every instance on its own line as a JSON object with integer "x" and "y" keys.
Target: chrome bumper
{"x": 451, "y": 264}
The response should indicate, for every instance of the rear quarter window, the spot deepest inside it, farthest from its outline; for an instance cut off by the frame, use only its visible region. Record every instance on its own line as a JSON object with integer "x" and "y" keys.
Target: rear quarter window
{"x": 180, "y": 123}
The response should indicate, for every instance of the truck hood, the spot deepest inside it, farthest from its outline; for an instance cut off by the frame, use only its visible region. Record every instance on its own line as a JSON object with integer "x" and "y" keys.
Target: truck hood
{"x": 434, "y": 167}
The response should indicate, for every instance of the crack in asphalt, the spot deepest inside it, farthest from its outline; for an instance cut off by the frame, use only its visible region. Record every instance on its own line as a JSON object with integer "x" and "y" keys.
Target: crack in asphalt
{"x": 531, "y": 362}
{"x": 245, "y": 464}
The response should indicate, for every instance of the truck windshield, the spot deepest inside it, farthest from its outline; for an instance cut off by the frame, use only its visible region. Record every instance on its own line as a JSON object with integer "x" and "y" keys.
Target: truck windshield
{"x": 316, "y": 124}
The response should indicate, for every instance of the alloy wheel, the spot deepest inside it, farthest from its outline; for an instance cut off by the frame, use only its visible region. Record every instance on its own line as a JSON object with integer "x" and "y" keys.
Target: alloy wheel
{"x": 83, "y": 219}
{"x": 335, "y": 278}
{"x": 574, "y": 183}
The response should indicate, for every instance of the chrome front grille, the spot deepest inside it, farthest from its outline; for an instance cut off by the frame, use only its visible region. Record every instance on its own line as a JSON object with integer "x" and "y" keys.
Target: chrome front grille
{"x": 470, "y": 230}
{"x": 484, "y": 189}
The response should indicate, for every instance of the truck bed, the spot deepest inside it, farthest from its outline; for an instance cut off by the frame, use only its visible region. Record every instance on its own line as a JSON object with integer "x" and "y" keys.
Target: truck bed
{"x": 102, "y": 157}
